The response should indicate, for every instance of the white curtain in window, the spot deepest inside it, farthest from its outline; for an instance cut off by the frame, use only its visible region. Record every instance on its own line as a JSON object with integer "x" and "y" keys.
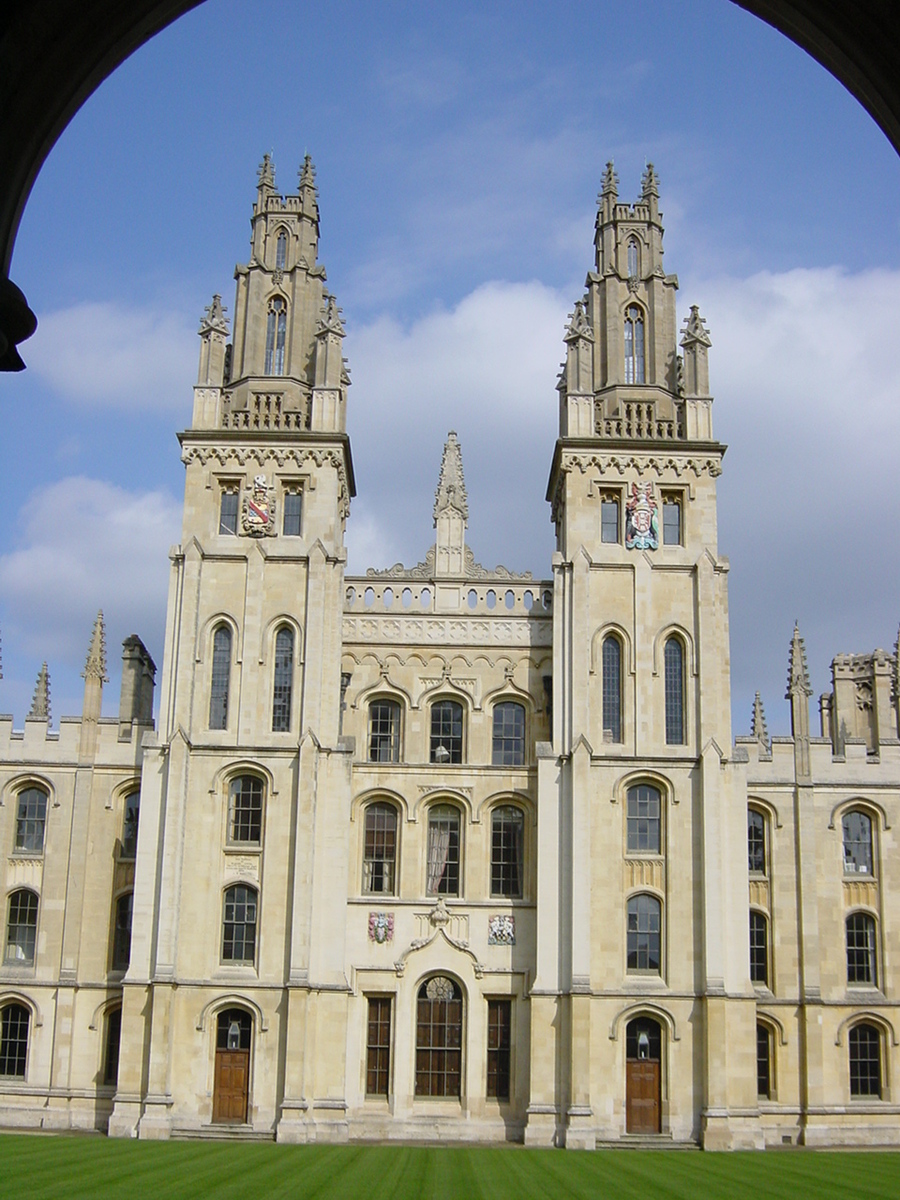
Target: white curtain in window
{"x": 438, "y": 850}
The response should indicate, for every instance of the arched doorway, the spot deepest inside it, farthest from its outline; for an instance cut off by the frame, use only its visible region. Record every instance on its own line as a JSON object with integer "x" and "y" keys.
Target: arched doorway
{"x": 643, "y": 1083}
{"x": 231, "y": 1089}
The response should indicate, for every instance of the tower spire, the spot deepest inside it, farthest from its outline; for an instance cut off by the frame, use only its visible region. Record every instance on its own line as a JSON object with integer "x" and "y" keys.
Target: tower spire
{"x": 40, "y": 704}
{"x": 451, "y": 511}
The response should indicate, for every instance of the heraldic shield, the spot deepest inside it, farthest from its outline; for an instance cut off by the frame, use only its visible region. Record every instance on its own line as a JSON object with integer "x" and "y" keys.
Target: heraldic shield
{"x": 641, "y": 521}
{"x": 258, "y": 515}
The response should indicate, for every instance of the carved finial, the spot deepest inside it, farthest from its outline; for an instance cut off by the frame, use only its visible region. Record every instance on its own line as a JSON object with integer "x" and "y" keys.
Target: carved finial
{"x": 451, "y": 490}
{"x": 579, "y": 326}
{"x": 679, "y": 375}
{"x": 96, "y": 659}
{"x": 798, "y": 675}
{"x": 649, "y": 183}
{"x": 307, "y": 174}
{"x": 895, "y": 673}
{"x": 1, "y": 664}
{"x": 266, "y": 177}
{"x": 610, "y": 183}
{"x": 214, "y": 319}
{"x": 758, "y": 727}
{"x": 40, "y": 705}
{"x": 695, "y": 329}
{"x": 330, "y": 320}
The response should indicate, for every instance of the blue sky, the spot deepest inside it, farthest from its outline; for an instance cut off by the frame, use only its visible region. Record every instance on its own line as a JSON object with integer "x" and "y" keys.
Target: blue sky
{"x": 459, "y": 150}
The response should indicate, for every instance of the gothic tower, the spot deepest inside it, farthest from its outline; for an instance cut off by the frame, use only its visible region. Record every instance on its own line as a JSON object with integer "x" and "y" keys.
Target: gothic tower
{"x": 245, "y": 794}
{"x": 639, "y": 791}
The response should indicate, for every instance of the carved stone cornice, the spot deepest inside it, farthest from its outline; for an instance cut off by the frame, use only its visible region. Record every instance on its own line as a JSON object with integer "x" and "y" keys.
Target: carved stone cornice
{"x": 241, "y": 454}
{"x": 625, "y": 463}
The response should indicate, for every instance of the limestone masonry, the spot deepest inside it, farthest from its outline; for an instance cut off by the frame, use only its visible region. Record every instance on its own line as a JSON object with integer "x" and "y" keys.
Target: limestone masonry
{"x": 445, "y": 851}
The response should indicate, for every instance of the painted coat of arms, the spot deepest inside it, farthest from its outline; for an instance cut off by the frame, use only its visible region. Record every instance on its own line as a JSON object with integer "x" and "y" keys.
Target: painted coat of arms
{"x": 258, "y": 516}
{"x": 641, "y": 520}
{"x": 501, "y": 931}
{"x": 381, "y": 927}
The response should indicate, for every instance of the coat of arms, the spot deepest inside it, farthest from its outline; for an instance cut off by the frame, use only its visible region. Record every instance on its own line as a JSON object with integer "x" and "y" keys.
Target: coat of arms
{"x": 381, "y": 927}
{"x": 258, "y": 516}
{"x": 641, "y": 522}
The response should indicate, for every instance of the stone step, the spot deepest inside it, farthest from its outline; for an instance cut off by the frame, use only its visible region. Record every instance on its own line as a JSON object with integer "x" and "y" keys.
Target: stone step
{"x": 222, "y": 1133}
{"x": 646, "y": 1141}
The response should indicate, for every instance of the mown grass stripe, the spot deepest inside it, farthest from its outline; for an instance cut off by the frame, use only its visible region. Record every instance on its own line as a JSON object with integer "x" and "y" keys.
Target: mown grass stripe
{"x": 44, "y": 1168}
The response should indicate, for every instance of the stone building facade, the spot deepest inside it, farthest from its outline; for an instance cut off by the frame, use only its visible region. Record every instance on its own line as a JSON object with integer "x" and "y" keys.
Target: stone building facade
{"x": 446, "y": 851}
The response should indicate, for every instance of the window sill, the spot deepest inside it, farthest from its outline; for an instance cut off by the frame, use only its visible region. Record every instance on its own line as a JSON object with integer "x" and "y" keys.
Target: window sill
{"x": 28, "y": 855}
{"x": 242, "y": 848}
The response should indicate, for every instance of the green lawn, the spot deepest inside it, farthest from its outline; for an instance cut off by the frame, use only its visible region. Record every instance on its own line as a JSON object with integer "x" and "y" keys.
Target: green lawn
{"x": 74, "y": 1167}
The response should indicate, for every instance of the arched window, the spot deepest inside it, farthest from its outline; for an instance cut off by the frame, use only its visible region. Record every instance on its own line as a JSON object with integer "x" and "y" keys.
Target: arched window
{"x": 508, "y": 742}
{"x": 611, "y": 664}
{"x": 122, "y": 933}
{"x": 283, "y": 680}
{"x": 644, "y": 820}
{"x": 674, "y": 688}
{"x": 281, "y": 251}
{"x": 14, "y": 1041}
{"x": 443, "y": 851}
{"x": 759, "y": 948}
{"x": 276, "y": 330}
{"x": 763, "y": 1061}
{"x": 644, "y": 933}
{"x": 857, "y": 835}
{"x": 245, "y": 802}
{"x": 239, "y": 925}
{"x": 634, "y": 345}
{"x": 234, "y": 1027}
{"x": 439, "y": 1023}
{"x": 756, "y": 842}
{"x": 111, "y": 1047}
{"x": 21, "y": 928}
{"x": 507, "y": 840}
{"x": 380, "y": 854}
{"x": 31, "y": 817}
{"x": 446, "y": 732}
{"x": 130, "y": 824}
{"x": 861, "y": 956}
{"x": 633, "y": 259}
{"x": 220, "y": 678}
{"x": 865, "y": 1061}
{"x": 384, "y": 731}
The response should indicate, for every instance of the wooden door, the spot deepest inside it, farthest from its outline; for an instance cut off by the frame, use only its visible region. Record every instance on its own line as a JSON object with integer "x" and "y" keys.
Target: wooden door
{"x": 642, "y": 1096}
{"x": 231, "y": 1085}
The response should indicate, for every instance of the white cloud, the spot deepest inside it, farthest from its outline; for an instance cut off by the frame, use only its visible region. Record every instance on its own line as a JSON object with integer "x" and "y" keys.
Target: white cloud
{"x": 84, "y": 544}
{"x": 487, "y": 369}
{"x": 804, "y": 368}
{"x": 109, "y": 355}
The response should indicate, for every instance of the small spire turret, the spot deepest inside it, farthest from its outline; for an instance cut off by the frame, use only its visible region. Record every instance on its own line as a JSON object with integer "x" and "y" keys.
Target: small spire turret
{"x": 758, "y": 727}
{"x": 649, "y": 184}
{"x": 95, "y": 666}
{"x": 799, "y": 692}
{"x": 309, "y": 192}
{"x": 40, "y": 704}
{"x": 451, "y": 511}
{"x": 451, "y": 489}
{"x": 266, "y": 175}
{"x": 610, "y": 186}
{"x": 798, "y": 673}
